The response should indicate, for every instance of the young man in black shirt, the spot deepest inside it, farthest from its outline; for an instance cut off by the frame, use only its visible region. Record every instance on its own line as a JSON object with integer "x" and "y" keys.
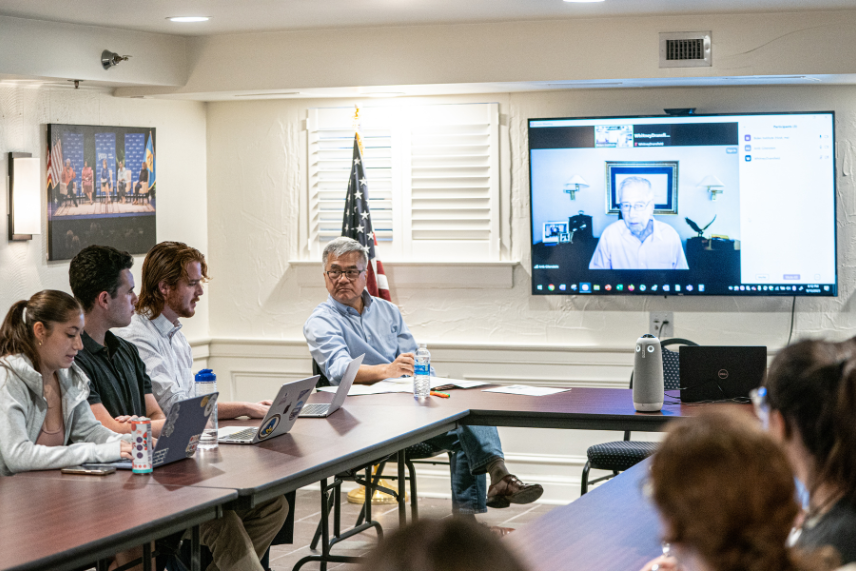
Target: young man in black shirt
{"x": 120, "y": 388}
{"x": 101, "y": 280}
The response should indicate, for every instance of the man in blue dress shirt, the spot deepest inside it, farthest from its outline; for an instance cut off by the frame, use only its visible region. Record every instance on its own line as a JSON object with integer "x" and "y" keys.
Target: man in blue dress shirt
{"x": 352, "y": 322}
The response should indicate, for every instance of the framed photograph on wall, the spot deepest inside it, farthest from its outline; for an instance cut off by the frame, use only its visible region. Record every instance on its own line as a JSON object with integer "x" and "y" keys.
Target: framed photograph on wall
{"x": 101, "y": 185}
{"x": 663, "y": 176}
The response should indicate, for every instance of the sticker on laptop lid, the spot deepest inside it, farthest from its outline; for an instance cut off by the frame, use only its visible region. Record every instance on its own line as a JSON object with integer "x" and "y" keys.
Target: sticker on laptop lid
{"x": 169, "y": 426}
{"x": 208, "y": 403}
{"x": 191, "y": 446}
{"x": 269, "y": 427}
{"x": 296, "y": 410}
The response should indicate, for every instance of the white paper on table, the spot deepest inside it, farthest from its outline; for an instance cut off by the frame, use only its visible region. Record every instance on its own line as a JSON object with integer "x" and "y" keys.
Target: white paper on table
{"x": 375, "y": 389}
{"x": 440, "y": 382}
{"x": 526, "y": 390}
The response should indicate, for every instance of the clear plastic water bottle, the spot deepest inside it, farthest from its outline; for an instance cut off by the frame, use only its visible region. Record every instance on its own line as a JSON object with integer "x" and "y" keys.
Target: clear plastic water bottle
{"x": 206, "y": 383}
{"x": 422, "y": 372}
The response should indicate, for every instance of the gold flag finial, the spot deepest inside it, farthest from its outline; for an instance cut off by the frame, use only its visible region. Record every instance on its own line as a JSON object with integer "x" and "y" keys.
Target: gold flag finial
{"x": 356, "y": 126}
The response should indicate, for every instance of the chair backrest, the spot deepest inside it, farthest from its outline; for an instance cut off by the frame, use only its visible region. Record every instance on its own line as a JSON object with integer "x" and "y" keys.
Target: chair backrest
{"x": 323, "y": 381}
{"x": 671, "y": 363}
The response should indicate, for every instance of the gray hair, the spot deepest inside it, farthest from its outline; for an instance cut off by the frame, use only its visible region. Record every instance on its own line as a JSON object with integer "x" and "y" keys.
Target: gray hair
{"x": 344, "y": 245}
{"x": 634, "y": 180}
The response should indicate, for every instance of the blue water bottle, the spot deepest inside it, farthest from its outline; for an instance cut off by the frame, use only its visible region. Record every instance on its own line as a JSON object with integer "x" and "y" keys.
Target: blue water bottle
{"x": 206, "y": 384}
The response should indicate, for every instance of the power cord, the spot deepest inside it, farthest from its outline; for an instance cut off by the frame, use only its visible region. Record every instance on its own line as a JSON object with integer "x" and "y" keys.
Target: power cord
{"x": 791, "y": 332}
{"x": 662, "y": 328}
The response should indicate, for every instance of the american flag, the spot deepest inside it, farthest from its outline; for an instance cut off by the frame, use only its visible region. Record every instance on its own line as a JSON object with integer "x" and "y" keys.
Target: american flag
{"x": 54, "y": 166}
{"x": 357, "y": 223}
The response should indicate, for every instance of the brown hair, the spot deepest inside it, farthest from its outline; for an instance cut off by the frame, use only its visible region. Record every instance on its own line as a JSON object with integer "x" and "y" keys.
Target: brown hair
{"x": 813, "y": 384}
{"x": 726, "y": 491}
{"x": 49, "y": 306}
{"x": 451, "y": 544}
{"x": 165, "y": 262}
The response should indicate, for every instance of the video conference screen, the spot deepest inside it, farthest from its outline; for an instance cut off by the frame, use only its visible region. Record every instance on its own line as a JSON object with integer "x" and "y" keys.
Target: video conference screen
{"x": 687, "y": 205}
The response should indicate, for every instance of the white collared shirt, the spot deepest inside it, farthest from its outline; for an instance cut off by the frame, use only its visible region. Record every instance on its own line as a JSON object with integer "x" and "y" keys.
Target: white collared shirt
{"x": 167, "y": 355}
{"x": 619, "y": 249}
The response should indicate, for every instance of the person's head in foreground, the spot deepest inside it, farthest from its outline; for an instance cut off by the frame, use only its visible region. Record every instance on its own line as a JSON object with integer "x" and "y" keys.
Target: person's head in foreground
{"x": 45, "y": 329}
{"x": 636, "y": 200}
{"x": 726, "y": 497}
{"x": 173, "y": 274}
{"x": 451, "y": 544}
{"x": 811, "y": 403}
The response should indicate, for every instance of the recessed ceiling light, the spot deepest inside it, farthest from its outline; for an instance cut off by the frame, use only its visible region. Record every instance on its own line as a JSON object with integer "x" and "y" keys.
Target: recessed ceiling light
{"x": 187, "y": 19}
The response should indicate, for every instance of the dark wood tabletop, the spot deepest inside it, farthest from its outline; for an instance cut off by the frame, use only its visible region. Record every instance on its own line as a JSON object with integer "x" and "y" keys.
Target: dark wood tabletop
{"x": 612, "y": 528}
{"x": 69, "y": 521}
{"x": 578, "y": 408}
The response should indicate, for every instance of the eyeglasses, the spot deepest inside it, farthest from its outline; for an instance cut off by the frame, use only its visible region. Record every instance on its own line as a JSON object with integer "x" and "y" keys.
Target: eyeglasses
{"x": 636, "y": 207}
{"x": 350, "y": 274}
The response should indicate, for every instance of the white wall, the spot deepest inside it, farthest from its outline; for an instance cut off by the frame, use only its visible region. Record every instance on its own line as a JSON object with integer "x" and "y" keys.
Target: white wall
{"x": 771, "y": 43}
{"x": 257, "y": 186}
{"x": 26, "y": 109}
{"x": 39, "y": 49}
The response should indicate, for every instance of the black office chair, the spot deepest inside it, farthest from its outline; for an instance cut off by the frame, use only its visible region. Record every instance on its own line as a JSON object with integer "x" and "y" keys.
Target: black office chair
{"x": 624, "y": 454}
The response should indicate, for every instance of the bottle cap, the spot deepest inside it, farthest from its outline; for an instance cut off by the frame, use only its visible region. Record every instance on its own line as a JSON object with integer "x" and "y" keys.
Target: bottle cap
{"x": 206, "y": 376}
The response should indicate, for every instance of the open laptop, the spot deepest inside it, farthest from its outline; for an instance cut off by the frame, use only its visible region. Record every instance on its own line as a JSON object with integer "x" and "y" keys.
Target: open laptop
{"x": 279, "y": 419}
{"x": 325, "y": 409}
{"x": 180, "y": 433}
{"x": 720, "y": 373}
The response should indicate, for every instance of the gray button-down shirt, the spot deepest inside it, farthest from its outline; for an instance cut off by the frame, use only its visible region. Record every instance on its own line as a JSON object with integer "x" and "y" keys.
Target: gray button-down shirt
{"x": 167, "y": 355}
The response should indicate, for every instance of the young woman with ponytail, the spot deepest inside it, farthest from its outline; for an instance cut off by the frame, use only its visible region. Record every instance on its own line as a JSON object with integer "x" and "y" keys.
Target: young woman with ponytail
{"x": 811, "y": 396}
{"x": 45, "y": 419}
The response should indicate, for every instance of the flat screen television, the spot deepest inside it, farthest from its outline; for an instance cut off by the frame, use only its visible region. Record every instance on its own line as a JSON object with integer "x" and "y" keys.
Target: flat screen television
{"x": 684, "y": 205}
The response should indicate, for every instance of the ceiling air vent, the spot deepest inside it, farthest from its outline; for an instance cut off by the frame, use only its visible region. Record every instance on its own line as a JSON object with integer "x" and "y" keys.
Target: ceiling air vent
{"x": 685, "y": 49}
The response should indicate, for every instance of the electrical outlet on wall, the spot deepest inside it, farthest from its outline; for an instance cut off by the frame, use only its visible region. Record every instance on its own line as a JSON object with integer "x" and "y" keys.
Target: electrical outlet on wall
{"x": 661, "y": 324}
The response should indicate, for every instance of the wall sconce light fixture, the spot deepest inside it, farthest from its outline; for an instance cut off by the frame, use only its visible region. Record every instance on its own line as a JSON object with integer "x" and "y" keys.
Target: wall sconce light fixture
{"x": 25, "y": 205}
{"x": 713, "y": 185}
{"x": 572, "y": 186}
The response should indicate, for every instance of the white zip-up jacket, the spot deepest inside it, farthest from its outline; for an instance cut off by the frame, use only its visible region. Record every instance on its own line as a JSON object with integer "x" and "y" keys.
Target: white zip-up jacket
{"x": 22, "y": 413}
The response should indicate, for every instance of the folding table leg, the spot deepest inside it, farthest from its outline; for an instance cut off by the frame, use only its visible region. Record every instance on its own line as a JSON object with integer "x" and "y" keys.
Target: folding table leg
{"x": 147, "y": 556}
{"x": 402, "y": 493}
{"x": 195, "y": 550}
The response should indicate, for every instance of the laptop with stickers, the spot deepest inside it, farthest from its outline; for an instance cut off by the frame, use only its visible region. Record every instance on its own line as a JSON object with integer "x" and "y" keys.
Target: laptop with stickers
{"x": 279, "y": 419}
{"x": 325, "y": 409}
{"x": 180, "y": 433}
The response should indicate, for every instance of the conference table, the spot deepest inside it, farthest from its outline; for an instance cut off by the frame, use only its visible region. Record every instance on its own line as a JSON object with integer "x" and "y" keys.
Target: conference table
{"x": 124, "y": 508}
{"x": 614, "y": 527}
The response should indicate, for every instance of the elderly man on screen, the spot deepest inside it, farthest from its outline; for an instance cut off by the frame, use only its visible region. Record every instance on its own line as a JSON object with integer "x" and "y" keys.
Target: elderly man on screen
{"x": 638, "y": 242}
{"x": 350, "y": 323}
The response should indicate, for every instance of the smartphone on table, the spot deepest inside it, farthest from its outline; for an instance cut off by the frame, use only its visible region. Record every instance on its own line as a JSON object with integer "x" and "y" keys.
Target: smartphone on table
{"x": 90, "y": 469}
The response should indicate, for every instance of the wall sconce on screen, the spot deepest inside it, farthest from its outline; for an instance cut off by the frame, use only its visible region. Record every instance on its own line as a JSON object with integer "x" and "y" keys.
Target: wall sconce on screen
{"x": 575, "y": 184}
{"x": 713, "y": 185}
{"x": 25, "y": 204}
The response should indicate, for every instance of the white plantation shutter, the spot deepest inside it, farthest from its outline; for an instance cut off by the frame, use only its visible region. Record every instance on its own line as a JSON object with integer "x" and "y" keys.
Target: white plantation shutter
{"x": 454, "y": 182}
{"x": 433, "y": 178}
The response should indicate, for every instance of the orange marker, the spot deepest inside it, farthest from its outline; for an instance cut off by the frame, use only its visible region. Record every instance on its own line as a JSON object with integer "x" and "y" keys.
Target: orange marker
{"x": 439, "y": 394}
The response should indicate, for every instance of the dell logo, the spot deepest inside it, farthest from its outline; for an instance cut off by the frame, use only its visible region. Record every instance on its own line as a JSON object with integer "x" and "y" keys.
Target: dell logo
{"x": 723, "y": 374}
